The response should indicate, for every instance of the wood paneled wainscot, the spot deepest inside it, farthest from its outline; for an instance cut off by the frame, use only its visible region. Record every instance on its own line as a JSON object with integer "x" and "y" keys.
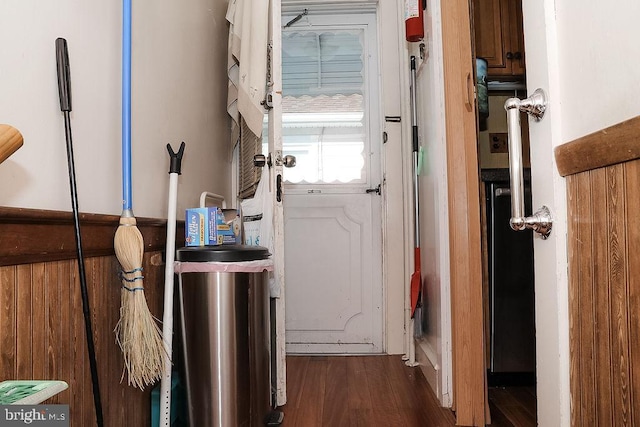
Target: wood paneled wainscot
{"x": 603, "y": 189}
{"x": 42, "y": 333}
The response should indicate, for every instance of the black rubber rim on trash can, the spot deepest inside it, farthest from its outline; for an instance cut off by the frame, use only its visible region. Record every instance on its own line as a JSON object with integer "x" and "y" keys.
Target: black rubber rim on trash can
{"x": 222, "y": 253}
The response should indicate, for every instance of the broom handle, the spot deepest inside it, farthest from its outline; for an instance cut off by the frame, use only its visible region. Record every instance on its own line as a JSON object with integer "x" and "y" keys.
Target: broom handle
{"x": 64, "y": 90}
{"x": 167, "y": 317}
{"x": 126, "y": 106}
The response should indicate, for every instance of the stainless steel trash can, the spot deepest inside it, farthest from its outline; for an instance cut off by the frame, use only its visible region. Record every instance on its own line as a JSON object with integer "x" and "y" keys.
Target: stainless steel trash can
{"x": 224, "y": 306}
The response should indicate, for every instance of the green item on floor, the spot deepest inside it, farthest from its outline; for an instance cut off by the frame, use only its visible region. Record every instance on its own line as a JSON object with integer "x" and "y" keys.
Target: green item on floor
{"x": 29, "y": 392}
{"x": 178, "y": 404}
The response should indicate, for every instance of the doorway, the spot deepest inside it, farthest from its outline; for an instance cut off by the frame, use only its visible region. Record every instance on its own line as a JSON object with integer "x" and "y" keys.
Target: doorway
{"x": 332, "y": 211}
{"x": 508, "y": 268}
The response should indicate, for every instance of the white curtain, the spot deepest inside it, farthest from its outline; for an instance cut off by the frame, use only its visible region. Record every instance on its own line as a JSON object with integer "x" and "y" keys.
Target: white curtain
{"x": 247, "y": 63}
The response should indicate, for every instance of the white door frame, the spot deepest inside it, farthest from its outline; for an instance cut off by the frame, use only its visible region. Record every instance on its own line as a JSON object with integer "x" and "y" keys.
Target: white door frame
{"x": 434, "y": 350}
{"x": 397, "y": 179}
{"x": 548, "y": 188}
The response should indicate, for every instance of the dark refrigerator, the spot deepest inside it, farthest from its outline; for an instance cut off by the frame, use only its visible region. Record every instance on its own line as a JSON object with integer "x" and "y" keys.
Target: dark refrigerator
{"x": 511, "y": 291}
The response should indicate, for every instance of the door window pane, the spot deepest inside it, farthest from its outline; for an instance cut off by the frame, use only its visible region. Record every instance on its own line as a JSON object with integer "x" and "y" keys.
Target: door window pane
{"x": 323, "y": 106}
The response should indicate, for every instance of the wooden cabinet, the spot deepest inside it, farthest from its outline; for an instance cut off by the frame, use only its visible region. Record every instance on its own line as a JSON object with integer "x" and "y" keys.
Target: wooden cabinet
{"x": 499, "y": 38}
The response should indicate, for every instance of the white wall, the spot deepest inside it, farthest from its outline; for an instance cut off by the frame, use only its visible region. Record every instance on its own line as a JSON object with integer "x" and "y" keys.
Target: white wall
{"x": 178, "y": 94}
{"x": 434, "y": 223}
{"x": 585, "y": 55}
{"x": 599, "y": 62}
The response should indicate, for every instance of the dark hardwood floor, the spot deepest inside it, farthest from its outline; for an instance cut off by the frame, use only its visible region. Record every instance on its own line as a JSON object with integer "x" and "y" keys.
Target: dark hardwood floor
{"x": 359, "y": 391}
{"x": 513, "y": 406}
{"x": 381, "y": 391}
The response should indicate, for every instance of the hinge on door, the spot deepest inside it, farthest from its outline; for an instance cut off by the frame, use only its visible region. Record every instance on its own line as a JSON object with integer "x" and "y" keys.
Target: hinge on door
{"x": 269, "y": 53}
{"x": 267, "y": 102}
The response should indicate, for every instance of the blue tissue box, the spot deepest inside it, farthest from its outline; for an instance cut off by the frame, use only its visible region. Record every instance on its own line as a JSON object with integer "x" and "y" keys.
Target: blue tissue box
{"x": 205, "y": 226}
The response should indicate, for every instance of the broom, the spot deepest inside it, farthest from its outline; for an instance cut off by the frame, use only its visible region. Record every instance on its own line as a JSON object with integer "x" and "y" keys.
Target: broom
{"x": 137, "y": 332}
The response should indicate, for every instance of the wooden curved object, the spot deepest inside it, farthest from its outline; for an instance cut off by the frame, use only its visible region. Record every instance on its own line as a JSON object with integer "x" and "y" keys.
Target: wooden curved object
{"x": 10, "y": 141}
{"x": 609, "y": 146}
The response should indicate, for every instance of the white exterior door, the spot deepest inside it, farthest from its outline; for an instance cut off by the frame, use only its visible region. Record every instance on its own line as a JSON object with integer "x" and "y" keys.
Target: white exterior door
{"x": 274, "y": 147}
{"x": 333, "y": 233}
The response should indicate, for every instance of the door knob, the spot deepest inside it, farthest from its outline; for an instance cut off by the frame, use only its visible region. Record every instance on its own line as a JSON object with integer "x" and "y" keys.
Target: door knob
{"x": 535, "y": 106}
{"x": 289, "y": 161}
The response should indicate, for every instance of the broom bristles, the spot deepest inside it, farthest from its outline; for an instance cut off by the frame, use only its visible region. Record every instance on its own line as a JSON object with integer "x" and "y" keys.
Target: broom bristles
{"x": 140, "y": 340}
{"x": 128, "y": 244}
{"x": 137, "y": 332}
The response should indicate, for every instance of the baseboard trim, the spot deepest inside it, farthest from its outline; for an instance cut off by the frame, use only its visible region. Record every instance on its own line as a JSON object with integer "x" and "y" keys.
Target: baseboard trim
{"x": 428, "y": 362}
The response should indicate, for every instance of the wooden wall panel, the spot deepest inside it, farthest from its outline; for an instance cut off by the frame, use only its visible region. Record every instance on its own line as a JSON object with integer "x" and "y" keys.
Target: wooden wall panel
{"x": 63, "y": 358}
{"x": 7, "y": 322}
{"x": 23, "y": 323}
{"x": 602, "y": 316}
{"x": 604, "y": 295}
{"x": 39, "y": 305}
{"x": 616, "y": 216}
{"x": 77, "y": 346}
{"x": 42, "y": 331}
{"x": 574, "y": 300}
{"x": 42, "y": 334}
{"x": 586, "y": 302}
{"x": 633, "y": 241}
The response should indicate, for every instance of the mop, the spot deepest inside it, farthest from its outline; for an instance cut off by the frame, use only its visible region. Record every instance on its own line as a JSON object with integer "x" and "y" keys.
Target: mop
{"x": 416, "y": 277}
{"x": 167, "y": 318}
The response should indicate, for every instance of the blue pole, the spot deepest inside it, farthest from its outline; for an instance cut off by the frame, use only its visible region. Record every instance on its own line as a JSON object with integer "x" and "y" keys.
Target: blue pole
{"x": 126, "y": 105}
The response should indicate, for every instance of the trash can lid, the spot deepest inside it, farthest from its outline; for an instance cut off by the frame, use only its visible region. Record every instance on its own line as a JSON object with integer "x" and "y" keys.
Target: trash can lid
{"x": 222, "y": 253}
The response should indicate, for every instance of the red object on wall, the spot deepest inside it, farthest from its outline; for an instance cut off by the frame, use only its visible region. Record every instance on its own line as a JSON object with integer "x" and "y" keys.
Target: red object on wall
{"x": 413, "y": 22}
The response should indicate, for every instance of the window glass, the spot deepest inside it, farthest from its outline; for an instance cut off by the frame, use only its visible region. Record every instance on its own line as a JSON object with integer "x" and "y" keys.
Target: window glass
{"x": 323, "y": 106}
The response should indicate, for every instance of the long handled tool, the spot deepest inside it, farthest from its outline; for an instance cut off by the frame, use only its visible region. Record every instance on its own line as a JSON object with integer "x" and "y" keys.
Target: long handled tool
{"x": 416, "y": 277}
{"x": 137, "y": 333}
{"x": 175, "y": 166}
{"x": 64, "y": 90}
